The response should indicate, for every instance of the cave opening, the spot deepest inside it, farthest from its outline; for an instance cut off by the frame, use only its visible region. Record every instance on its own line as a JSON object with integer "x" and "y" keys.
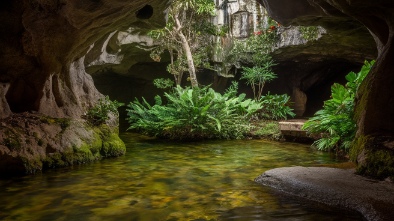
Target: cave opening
{"x": 320, "y": 90}
{"x": 22, "y": 96}
{"x": 145, "y": 12}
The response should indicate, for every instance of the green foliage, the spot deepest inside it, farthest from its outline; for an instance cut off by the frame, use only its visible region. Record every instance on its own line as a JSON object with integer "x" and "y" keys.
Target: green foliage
{"x": 309, "y": 33}
{"x": 194, "y": 113}
{"x": 252, "y": 51}
{"x": 275, "y": 107}
{"x": 267, "y": 129}
{"x": 100, "y": 112}
{"x": 188, "y": 23}
{"x": 163, "y": 83}
{"x": 257, "y": 76}
{"x": 211, "y": 29}
{"x": 255, "y": 49}
{"x": 335, "y": 121}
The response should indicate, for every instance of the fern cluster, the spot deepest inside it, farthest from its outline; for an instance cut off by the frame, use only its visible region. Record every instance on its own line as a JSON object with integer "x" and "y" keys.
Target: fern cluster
{"x": 335, "y": 121}
{"x": 100, "y": 112}
{"x": 275, "y": 107}
{"x": 194, "y": 114}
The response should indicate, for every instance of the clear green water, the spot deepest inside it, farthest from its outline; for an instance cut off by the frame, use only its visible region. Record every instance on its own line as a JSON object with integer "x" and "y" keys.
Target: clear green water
{"x": 169, "y": 181}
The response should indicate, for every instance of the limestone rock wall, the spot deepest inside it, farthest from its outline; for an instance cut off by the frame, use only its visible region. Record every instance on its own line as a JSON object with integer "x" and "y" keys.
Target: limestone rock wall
{"x": 373, "y": 149}
{"x": 44, "y": 87}
{"x": 44, "y": 46}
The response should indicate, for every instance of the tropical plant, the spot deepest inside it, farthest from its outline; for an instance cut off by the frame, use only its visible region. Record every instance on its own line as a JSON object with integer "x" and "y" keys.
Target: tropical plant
{"x": 257, "y": 76}
{"x": 163, "y": 83}
{"x": 335, "y": 121}
{"x": 275, "y": 107}
{"x": 254, "y": 51}
{"x": 267, "y": 129}
{"x": 186, "y": 32}
{"x": 309, "y": 33}
{"x": 100, "y": 112}
{"x": 194, "y": 113}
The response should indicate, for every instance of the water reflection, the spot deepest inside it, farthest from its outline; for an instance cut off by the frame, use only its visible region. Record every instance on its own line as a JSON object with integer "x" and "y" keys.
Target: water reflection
{"x": 168, "y": 181}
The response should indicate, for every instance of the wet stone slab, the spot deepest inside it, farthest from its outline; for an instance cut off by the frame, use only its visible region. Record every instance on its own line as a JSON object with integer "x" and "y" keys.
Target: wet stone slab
{"x": 335, "y": 187}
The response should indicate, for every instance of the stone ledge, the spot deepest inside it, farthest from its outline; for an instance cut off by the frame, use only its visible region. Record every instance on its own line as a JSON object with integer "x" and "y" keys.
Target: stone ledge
{"x": 335, "y": 187}
{"x": 292, "y": 131}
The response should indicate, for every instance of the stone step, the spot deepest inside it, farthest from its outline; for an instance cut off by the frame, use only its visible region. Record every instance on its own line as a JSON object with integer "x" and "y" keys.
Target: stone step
{"x": 292, "y": 130}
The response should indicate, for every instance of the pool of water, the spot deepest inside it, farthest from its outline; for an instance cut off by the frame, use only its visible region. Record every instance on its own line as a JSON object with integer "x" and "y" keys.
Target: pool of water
{"x": 156, "y": 180}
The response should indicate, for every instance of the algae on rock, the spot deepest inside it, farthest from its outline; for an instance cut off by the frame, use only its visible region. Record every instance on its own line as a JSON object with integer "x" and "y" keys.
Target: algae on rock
{"x": 31, "y": 143}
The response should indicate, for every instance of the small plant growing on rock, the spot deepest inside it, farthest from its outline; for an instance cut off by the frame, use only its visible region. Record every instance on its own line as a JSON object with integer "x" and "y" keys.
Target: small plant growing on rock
{"x": 163, "y": 83}
{"x": 309, "y": 33}
{"x": 100, "y": 112}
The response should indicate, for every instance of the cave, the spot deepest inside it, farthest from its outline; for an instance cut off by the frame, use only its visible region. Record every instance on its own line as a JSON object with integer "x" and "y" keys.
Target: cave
{"x": 60, "y": 58}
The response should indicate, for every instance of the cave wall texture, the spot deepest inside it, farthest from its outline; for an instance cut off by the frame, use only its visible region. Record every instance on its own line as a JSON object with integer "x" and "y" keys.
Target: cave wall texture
{"x": 374, "y": 146}
{"x": 42, "y": 64}
{"x": 44, "y": 88}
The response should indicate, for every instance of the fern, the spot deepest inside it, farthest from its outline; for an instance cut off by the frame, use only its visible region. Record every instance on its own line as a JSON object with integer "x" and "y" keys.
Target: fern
{"x": 194, "y": 113}
{"x": 335, "y": 121}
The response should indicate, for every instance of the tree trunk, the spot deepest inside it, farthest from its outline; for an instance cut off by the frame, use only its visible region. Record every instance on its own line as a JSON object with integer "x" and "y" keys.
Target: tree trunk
{"x": 188, "y": 53}
{"x": 190, "y": 62}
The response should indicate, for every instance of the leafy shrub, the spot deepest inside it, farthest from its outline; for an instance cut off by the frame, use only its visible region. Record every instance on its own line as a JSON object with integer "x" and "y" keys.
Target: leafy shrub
{"x": 335, "y": 121}
{"x": 267, "y": 129}
{"x": 275, "y": 107}
{"x": 309, "y": 33}
{"x": 100, "y": 112}
{"x": 163, "y": 83}
{"x": 257, "y": 76}
{"x": 194, "y": 113}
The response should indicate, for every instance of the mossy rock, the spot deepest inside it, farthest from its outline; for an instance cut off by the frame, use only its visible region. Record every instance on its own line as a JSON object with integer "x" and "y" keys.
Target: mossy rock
{"x": 12, "y": 141}
{"x": 32, "y": 164}
{"x": 32, "y": 149}
{"x": 64, "y": 123}
{"x": 373, "y": 157}
{"x": 113, "y": 146}
{"x": 104, "y": 144}
{"x": 54, "y": 160}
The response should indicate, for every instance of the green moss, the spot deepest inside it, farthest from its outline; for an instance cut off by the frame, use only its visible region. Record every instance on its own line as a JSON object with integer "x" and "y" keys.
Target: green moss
{"x": 12, "y": 140}
{"x": 357, "y": 147}
{"x": 267, "y": 130}
{"x": 57, "y": 159}
{"x": 309, "y": 33}
{"x": 378, "y": 161}
{"x": 97, "y": 144}
{"x": 64, "y": 123}
{"x": 106, "y": 143}
{"x": 380, "y": 164}
{"x": 32, "y": 164}
{"x": 113, "y": 146}
{"x": 362, "y": 102}
{"x": 83, "y": 154}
